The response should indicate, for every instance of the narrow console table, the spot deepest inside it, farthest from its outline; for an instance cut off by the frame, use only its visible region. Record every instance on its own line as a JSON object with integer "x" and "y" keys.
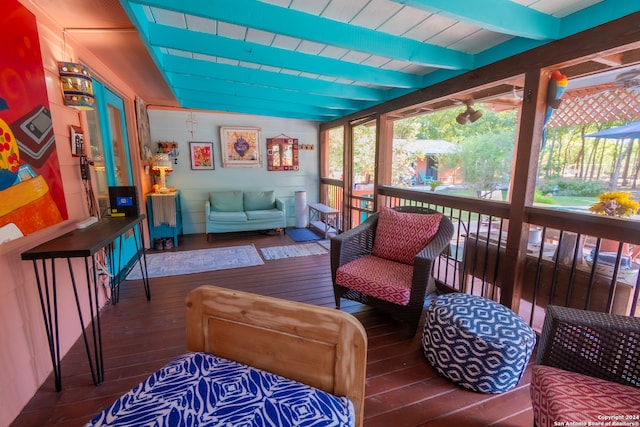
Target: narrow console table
{"x": 83, "y": 243}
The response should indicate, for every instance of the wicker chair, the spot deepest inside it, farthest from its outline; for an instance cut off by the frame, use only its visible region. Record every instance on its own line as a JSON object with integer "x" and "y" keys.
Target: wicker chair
{"x": 359, "y": 241}
{"x": 587, "y": 367}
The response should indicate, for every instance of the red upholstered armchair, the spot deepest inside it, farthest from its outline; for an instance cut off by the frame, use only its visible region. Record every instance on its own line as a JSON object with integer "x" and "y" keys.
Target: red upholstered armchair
{"x": 588, "y": 369}
{"x": 387, "y": 261}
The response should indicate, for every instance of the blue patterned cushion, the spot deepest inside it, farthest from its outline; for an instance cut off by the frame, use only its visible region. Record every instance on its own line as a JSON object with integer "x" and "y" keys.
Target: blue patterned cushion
{"x": 476, "y": 342}
{"x": 200, "y": 389}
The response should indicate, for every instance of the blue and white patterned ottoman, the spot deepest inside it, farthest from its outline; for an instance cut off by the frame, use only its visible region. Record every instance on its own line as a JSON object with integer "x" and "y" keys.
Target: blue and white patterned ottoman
{"x": 476, "y": 342}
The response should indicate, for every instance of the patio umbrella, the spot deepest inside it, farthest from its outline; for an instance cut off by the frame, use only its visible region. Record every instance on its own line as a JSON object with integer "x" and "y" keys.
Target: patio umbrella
{"x": 630, "y": 131}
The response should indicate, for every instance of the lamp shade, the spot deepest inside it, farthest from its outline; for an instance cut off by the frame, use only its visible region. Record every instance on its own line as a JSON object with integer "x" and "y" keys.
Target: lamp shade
{"x": 161, "y": 162}
{"x": 77, "y": 86}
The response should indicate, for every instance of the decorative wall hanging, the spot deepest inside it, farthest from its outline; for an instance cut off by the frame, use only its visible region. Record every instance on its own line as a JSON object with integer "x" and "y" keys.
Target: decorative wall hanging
{"x": 282, "y": 153}
{"x": 170, "y": 148}
{"x": 558, "y": 83}
{"x": 201, "y": 155}
{"x": 240, "y": 147}
{"x": 144, "y": 134}
{"x": 192, "y": 125}
{"x": 30, "y": 181}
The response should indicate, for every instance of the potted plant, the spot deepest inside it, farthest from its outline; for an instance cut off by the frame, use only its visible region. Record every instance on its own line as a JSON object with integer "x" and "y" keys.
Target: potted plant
{"x": 618, "y": 204}
{"x": 615, "y": 203}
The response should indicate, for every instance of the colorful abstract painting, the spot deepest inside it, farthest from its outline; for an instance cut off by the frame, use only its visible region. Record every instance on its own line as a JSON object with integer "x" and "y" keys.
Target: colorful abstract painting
{"x": 240, "y": 147}
{"x": 31, "y": 192}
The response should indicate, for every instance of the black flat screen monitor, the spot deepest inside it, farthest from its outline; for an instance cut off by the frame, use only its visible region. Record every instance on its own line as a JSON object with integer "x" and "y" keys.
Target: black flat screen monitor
{"x": 123, "y": 201}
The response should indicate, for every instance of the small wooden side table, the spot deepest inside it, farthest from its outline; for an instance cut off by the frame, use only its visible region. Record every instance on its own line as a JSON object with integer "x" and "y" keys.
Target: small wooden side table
{"x": 165, "y": 219}
{"x": 323, "y": 218}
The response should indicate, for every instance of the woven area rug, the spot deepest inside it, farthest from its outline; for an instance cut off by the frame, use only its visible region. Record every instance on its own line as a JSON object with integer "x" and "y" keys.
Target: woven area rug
{"x": 292, "y": 251}
{"x": 198, "y": 261}
{"x": 325, "y": 244}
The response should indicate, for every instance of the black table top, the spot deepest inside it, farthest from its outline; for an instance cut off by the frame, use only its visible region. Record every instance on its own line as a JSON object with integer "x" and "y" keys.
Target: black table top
{"x": 83, "y": 242}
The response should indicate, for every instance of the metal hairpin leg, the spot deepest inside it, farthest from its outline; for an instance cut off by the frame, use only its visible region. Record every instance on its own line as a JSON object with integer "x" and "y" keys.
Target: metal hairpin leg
{"x": 142, "y": 260}
{"x": 48, "y": 294}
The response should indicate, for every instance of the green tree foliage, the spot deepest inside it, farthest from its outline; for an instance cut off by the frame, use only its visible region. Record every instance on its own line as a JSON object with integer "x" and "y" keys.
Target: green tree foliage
{"x": 336, "y": 152}
{"x": 570, "y": 154}
{"x": 364, "y": 152}
{"x": 487, "y": 145}
{"x": 486, "y": 160}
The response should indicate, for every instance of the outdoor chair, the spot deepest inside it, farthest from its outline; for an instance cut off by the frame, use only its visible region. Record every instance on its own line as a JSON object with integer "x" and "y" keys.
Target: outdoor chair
{"x": 588, "y": 369}
{"x": 387, "y": 261}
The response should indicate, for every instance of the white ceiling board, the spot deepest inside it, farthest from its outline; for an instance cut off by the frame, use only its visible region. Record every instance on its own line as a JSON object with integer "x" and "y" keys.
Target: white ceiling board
{"x": 168, "y": 17}
{"x": 404, "y": 22}
{"x": 258, "y": 36}
{"x": 286, "y": 42}
{"x": 375, "y": 14}
{"x": 344, "y": 11}
{"x": 428, "y": 29}
{"x": 204, "y": 25}
{"x": 313, "y": 7}
{"x": 232, "y": 31}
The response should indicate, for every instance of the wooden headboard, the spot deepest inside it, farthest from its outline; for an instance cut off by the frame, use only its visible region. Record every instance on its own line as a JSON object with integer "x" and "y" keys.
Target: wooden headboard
{"x": 318, "y": 346}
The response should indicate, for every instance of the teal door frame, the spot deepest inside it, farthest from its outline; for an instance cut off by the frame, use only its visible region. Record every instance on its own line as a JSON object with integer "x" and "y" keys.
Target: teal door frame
{"x": 117, "y": 161}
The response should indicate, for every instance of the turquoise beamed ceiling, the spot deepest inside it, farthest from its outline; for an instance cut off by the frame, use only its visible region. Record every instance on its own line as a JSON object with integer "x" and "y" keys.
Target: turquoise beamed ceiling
{"x": 325, "y": 59}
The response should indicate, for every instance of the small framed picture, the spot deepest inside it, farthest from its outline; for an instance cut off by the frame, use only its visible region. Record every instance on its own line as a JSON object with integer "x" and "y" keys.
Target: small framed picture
{"x": 240, "y": 147}
{"x": 201, "y": 154}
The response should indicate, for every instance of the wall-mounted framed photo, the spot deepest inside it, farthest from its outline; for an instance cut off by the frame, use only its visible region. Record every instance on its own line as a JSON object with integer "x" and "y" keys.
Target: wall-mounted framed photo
{"x": 282, "y": 154}
{"x": 240, "y": 147}
{"x": 201, "y": 154}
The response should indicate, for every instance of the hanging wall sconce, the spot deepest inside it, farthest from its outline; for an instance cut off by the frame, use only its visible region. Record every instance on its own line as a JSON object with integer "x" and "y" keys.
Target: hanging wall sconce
{"x": 77, "y": 86}
{"x": 468, "y": 115}
{"x": 76, "y": 83}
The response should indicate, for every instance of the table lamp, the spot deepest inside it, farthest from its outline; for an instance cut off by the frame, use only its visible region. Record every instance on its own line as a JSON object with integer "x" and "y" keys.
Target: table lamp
{"x": 161, "y": 163}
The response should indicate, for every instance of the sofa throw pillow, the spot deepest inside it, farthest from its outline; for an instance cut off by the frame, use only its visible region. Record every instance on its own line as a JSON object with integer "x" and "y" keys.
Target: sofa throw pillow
{"x": 226, "y": 201}
{"x": 401, "y": 235}
{"x": 259, "y": 200}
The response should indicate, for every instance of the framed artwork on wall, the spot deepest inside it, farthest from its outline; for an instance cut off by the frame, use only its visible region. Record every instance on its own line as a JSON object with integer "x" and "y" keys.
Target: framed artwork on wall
{"x": 240, "y": 147}
{"x": 144, "y": 134}
{"x": 201, "y": 154}
{"x": 282, "y": 153}
{"x": 32, "y": 194}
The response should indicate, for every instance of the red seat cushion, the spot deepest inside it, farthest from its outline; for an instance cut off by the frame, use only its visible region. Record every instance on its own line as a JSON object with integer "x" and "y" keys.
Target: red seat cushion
{"x": 377, "y": 277}
{"x": 560, "y": 396}
{"x": 401, "y": 235}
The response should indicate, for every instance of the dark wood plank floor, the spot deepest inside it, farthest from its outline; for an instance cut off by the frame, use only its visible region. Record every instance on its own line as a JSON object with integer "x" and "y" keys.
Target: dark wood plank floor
{"x": 140, "y": 336}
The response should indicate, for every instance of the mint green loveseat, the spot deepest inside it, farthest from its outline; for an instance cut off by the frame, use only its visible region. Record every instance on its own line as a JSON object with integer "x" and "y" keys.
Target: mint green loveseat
{"x": 229, "y": 211}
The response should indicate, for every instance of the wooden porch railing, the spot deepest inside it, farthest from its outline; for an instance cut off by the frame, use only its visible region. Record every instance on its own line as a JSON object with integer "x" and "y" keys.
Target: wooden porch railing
{"x": 564, "y": 257}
